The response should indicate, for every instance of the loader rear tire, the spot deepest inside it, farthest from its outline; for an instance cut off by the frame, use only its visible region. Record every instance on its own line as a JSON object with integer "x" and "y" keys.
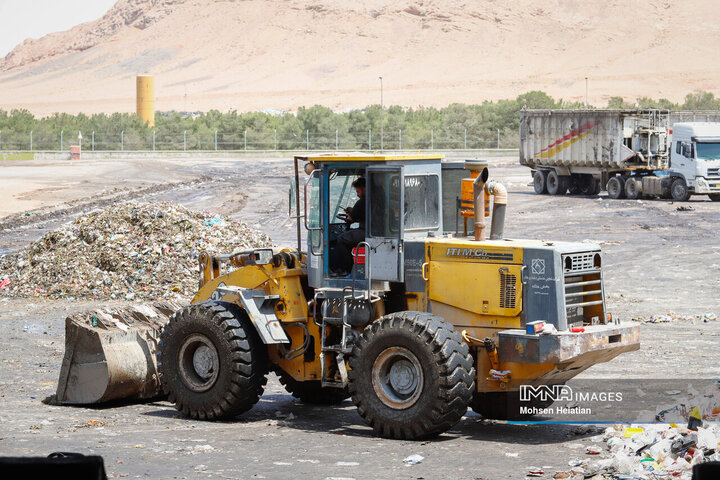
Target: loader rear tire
{"x": 411, "y": 376}
{"x": 312, "y": 392}
{"x": 504, "y": 405}
{"x": 212, "y": 363}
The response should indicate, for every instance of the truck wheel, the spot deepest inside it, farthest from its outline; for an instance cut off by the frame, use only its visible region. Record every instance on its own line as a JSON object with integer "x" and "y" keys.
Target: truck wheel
{"x": 679, "y": 190}
{"x": 574, "y": 185}
{"x": 504, "y": 405}
{"x": 632, "y": 188}
{"x": 588, "y": 184}
{"x": 411, "y": 376}
{"x": 212, "y": 363}
{"x": 312, "y": 391}
{"x": 616, "y": 187}
{"x": 556, "y": 184}
{"x": 540, "y": 182}
{"x": 715, "y": 197}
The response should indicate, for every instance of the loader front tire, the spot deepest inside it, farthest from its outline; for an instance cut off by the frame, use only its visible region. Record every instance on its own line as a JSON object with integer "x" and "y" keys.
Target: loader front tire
{"x": 312, "y": 391}
{"x": 411, "y": 376}
{"x": 212, "y": 363}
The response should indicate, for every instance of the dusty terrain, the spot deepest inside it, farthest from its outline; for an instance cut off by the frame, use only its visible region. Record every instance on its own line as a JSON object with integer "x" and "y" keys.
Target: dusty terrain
{"x": 658, "y": 259}
{"x": 262, "y": 54}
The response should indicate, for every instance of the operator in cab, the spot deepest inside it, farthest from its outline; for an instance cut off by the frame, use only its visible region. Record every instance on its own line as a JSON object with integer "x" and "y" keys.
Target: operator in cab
{"x": 344, "y": 262}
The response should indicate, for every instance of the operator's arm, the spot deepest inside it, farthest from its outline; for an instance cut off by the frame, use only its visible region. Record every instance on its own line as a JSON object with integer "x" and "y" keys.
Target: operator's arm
{"x": 357, "y": 213}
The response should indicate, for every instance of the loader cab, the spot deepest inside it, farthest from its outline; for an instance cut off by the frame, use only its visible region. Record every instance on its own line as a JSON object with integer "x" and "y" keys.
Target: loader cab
{"x": 403, "y": 203}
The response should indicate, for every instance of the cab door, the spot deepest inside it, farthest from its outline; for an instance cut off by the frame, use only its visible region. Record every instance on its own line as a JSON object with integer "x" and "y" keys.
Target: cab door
{"x": 384, "y": 222}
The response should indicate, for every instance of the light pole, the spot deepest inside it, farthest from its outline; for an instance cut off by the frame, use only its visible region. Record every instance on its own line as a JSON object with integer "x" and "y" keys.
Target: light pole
{"x": 586, "y": 92}
{"x": 382, "y": 115}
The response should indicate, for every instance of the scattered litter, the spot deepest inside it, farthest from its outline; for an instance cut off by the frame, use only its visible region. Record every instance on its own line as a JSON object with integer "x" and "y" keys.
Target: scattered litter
{"x": 413, "y": 459}
{"x": 202, "y": 449}
{"x": 535, "y": 472}
{"x": 649, "y": 451}
{"x": 672, "y": 317}
{"x": 131, "y": 251}
{"x": 684, "y": 208}
{"x": 282, "y": 463}
{"x": 594, "y": 450}
{"x": 561, "y": 475}
{"x": 629, "y": 432}
{"x": 302, "y": 460}
{"x": 346, "y": 464}
{"x": 200, "y": 468}
{"x": 511, "y": 454}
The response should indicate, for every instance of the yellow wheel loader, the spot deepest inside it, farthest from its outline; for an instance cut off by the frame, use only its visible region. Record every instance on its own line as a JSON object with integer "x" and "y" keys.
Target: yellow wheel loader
{"x": 425, "y": 325}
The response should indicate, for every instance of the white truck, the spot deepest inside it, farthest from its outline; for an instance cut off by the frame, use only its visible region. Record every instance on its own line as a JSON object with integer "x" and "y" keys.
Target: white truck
{"x": 629, "y": 153}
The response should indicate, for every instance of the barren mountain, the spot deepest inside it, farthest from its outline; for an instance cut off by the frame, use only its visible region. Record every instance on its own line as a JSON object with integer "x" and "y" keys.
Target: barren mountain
{"x": 264, "y": 54}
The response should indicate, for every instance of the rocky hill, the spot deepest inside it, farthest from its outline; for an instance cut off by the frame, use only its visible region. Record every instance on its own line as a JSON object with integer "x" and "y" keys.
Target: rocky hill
{"x": 280, "y": 54}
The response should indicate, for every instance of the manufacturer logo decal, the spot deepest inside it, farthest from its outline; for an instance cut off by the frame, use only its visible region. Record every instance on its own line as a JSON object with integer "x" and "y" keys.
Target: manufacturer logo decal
{"x": 538, "y": 266}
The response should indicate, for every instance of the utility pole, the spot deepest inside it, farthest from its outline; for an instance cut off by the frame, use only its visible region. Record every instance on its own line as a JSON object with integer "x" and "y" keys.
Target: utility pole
{"x": 382, "y": 115}
{"x": 586, "y": 92}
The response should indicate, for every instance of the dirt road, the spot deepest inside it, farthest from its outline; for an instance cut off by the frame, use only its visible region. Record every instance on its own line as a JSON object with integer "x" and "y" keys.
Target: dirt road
{"x": 658, "y": 259}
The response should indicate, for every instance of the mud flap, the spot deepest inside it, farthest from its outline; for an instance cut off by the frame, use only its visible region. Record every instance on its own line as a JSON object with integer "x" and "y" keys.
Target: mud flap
{"x": 110, "y": 354}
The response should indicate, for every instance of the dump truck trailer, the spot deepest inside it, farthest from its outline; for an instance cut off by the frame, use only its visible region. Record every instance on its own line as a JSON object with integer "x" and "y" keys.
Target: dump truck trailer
{"x": 629, "y": 153}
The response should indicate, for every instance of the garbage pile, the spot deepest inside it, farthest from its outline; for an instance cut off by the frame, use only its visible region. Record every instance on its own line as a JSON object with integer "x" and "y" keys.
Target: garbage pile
{"x": 132, "y": 251}
{"x": 671, "y": 317}
{"x": 635, "y": 452}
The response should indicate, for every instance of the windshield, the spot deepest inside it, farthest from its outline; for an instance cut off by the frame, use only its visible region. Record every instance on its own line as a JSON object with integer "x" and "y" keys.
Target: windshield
{"x": 708, "y": 151}
{"x": 342, "y": 194}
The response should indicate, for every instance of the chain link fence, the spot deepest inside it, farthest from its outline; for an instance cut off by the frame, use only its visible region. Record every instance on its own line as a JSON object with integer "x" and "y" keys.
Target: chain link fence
{"x": 157, "y": 140}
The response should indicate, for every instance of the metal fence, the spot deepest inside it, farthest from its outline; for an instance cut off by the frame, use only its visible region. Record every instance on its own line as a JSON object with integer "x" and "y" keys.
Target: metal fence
{"x": 157, "y": 140}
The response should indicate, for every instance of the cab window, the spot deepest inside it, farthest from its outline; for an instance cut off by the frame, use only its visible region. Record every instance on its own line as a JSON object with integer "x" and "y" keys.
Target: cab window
{"x": 384, "y": 194}
{"x": 422, "y": 196}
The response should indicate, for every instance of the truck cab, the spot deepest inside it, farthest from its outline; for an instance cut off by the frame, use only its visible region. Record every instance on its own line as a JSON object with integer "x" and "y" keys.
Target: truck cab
{"x": 695, "y": 156}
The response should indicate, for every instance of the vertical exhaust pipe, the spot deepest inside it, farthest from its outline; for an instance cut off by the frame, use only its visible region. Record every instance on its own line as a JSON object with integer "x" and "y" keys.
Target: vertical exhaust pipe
{"x": 479, "y": 194}
{"x": 499, "y": 193}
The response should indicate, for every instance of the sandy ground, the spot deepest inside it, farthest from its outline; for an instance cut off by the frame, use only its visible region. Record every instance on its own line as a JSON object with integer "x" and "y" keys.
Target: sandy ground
{"x": 262, "y": 54}
{"x": 658, "y": 259}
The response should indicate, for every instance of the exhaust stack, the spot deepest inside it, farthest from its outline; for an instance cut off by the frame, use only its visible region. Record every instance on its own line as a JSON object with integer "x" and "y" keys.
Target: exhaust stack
{"x": 499, "y": 193}
{"x": 475, "y": 197}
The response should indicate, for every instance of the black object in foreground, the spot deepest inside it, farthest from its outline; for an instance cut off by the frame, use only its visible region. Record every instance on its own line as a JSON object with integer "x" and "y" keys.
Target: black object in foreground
{"x": 55, "y": 465}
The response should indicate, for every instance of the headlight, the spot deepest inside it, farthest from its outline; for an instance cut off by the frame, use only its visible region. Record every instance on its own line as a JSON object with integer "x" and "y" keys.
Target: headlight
{"x": 701, "y": 183}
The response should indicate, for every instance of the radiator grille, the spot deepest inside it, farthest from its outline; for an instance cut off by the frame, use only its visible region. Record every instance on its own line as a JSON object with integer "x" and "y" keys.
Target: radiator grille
{"x": 507, "y": 290}
{"x": 579, "y": 262}
{"x": 713, "y": 173}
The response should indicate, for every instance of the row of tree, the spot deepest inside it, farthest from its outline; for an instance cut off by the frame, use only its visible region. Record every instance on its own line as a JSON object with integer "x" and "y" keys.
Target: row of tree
{"x": 487, "y": 125}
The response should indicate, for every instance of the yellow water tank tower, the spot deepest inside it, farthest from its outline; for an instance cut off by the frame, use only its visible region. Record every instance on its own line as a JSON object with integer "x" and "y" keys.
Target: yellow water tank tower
{"x": 146, "y": 99}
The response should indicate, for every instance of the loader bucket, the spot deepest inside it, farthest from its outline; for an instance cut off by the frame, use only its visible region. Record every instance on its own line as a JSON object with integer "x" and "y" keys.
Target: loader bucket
{"x": 110, "y": 354}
